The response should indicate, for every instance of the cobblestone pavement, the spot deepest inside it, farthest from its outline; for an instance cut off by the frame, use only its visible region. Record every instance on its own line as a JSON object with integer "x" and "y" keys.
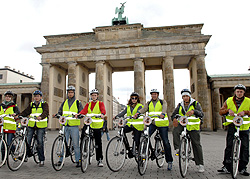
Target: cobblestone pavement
{"x": 213, "y": 144}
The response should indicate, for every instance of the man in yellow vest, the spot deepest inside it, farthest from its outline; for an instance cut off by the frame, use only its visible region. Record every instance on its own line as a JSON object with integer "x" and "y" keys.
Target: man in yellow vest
{"x": 240, "y": 105}
{"x": 10, "y": 108}
{"x": 95, "y": 107}
{"x": 69, "y": 108}
{"x": 158, "y": 107}
{"x": 189, "y": 107}
{"x": 38, "y": 111}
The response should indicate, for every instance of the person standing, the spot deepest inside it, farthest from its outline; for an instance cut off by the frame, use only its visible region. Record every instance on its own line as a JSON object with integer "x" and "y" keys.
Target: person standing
{"x": 71, "y": 106}
{"x": 189, "y": 107}
{"x": 157, "y": 106}
{"x": 8, "y": 107}
{"x": 236, "y": 105}
{"x": 95, "y": 107}
{"x": 38, "y": 111}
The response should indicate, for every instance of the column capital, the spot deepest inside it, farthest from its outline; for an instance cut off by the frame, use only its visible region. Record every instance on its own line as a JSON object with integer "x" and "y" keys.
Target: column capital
{"x": 138, "y": 59}
{"x": 100, "y": 62}
{"x": 168, "y": 58}
{"x": 45, "y": 64}
{"x": 72, "y": 62}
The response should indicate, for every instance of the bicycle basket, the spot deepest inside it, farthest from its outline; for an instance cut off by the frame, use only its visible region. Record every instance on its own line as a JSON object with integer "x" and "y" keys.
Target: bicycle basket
{"x": 238, "y": 121}
{"x": 183, "y": 120}
{"x": 24, "y": 121}
{"x": 147, "y": 120}
{"x": 87, "y": 120}
{"x": 1, "y": 121}
{"x": 121, "y": 122}
{"x": 62, "y": 120}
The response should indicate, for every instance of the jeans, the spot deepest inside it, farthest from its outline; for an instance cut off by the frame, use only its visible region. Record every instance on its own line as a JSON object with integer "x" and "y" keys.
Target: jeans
{"x": 164, "y": 136}
{"x": 73, "y": 131}
{"x": 40, "y": 142}
{"x": 107, "y": 134}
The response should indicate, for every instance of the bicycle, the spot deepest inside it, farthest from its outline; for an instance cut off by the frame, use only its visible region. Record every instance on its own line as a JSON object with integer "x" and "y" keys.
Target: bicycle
{"x": 3, "y": 144}
{"x": 185, "y": 150}
{"x": 34, "y": 146}
{"x": 60, "y": 148}
{"x": 87, "y": 144}
{"x": 235, "y": 156}
{"x": 116, "y": 152}
{"x": 157, "y": 152}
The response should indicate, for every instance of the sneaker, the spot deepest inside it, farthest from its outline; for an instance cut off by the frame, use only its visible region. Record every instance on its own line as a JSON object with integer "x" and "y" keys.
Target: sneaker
{"x": 78, "y": 164}
{"x": 41, "y": 164}
{"x": 223, "y": 170}
{"x": 177, "y": 152}
{"x": 26, "y": 159}
{"x": 201, "y": 168}
{"x": 99, "y": 163}
{"x": 170, "y": 165}
{"x": 244, "y": 172}
{"x": 130, "y": 154}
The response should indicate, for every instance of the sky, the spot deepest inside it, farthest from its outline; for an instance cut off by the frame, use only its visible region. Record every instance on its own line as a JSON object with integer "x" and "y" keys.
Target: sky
{"x": 25, "y": 22}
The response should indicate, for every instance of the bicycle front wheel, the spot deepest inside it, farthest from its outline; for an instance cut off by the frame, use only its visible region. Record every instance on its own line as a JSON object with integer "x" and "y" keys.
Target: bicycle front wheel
{"x": 72, "y": 152}
{"x": 16, "y": 153}
{"x": 235, "y": 157}
{"x": 3, "y": 153}
{"x": 183, "y": 157}
{"x": 159, "y": 153}
{"x": 58, "y": 153}
{"x": 34, "y": 151}
{"x": 85, "y": 154}
{"x": 115, "y": 154}
{"x": 143, "y": 156}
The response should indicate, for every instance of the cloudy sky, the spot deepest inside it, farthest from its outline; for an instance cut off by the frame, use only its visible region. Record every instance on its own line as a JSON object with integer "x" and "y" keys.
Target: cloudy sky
{"x": 25, "y": 22}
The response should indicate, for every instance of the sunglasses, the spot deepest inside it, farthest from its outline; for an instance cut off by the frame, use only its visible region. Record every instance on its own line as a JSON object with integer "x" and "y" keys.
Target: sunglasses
{"x": 133, "y": 98}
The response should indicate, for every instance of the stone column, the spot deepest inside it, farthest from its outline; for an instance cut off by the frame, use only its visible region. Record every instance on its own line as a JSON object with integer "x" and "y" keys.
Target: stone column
{"x": 72, "y": 73}
{"x": 19, "y": 101}
{"x": 99, "y": 79}
{"x": 168, "y": 83}
{"x": 202, "y": 91}
{"x": 26, "y": 101}
{"x": 139, "y": 79}
{"x": 217, "y": 119}
{"x": 45, "y": 81}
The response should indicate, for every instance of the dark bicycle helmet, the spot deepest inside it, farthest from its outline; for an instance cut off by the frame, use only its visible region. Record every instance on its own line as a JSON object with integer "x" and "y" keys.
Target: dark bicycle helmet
{"x": 37, "y": 92}
{"x": 134, "y": 94}
{"x": 240, "y": 86}
{"x": 9, "y": 93}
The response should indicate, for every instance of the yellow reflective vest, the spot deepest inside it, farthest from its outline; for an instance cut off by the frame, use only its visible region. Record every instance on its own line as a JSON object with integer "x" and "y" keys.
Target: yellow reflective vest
{"x": 157, "y": 110}
{"x": 245, "y": 106}
{"x": 9, "y": 121}
{"x": 68, "y": 112}
{"x": 35, "y": 112}
{"x": 193, "y": 122}
{"x": 137, "y": 123}
{"x": 97, "y": 123}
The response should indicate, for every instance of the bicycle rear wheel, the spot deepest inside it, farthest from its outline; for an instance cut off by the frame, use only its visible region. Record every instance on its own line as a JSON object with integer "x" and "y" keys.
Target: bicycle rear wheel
{"x": 85, "y": 154}
{"x": 3, "y": 153}
{"x": 35, "y": 152}
{"x": 159, "y": 153}
{"x": 143, "y": 156}
{"x": 115, "y": 154}
{"x": 235, "y": 157}
{"x": 16, "y": 153}
{"x": 183, "y": 157}
{"x": 72, "y": 152}
{"x": 58, "y": 153}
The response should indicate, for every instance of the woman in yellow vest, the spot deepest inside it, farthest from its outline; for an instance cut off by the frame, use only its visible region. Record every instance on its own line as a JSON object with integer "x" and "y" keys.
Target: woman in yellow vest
{"x": 135, "y": 125}
{"x": 9, "y": 107}
{"x": 39, "y": 109}
{"x": 189, "y": 107}
{"x": 158, "y": 107}
{"x": 240, "y": 105}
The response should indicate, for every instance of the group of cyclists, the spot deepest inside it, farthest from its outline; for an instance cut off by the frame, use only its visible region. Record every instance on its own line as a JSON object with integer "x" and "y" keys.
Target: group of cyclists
{"x": 72, "y": 109}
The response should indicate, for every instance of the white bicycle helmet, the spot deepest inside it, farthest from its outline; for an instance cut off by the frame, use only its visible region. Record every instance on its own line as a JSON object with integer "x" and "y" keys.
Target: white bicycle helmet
{"x": 154, "y": 91}
{"x": 240, "y": 86}
{"x": 71, "y": 88}
{"x": 94, "y": 91}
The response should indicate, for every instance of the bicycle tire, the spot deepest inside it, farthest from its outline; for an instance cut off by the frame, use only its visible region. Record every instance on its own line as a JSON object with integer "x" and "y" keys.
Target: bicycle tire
{"x": 3, "y": 152}
{"x": 235, "y": 157}
{"x": 183, "y": 156}
{"x": 143, "y": 154}
{"x": 115, "y": 154}
{"x": 16, "y": 153}
{"x": 72, "y": 152}
{"x": 58, "y": 151}
{"x": 91, "y": 150}
{"x": 85, "y": 154}
{"x": 35, "y": 152}
{"x": 159, "y": 153}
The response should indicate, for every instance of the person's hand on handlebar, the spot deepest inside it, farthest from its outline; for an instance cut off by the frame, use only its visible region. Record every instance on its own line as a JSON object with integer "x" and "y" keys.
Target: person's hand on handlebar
{"x": 231, "y": 113}
{"x": 241, "y": 114}
{"x": 136, "y": 115}
{"x": 102, "y": 116}
{"x": 175, "y": 122}
{"x": 190, "y": 113}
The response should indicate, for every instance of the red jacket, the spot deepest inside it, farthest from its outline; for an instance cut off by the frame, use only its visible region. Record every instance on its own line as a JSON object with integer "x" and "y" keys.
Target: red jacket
{"x": 101, "y": 106}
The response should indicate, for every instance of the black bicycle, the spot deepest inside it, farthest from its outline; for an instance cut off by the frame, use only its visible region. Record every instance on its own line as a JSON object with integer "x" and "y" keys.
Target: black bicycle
{"x": 60, "y": 148}
{"x": 116, "y": 152}
{"x": 146, "y": 150}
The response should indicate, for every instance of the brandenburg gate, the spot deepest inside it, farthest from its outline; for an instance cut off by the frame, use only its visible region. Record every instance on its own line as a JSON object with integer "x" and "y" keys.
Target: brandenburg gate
{"x": 70, "y": 58}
